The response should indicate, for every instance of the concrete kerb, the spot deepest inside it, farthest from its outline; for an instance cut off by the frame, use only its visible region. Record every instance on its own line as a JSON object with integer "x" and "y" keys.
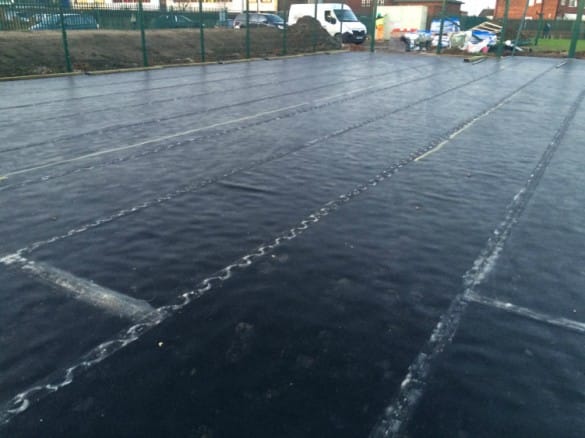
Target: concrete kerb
{"x": 160, "y": 67}
{"x": 47, "y": 76}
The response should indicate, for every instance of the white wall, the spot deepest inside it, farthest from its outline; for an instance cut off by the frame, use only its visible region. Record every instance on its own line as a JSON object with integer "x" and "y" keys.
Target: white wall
{"x": 403, "y": 17}
{"x": 232, "y": 6}
{"x": 146, "y": 5}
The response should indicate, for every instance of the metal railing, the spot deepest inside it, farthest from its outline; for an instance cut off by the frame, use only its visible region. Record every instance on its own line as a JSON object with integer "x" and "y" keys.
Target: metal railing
{"x": 138, "y": 33}
{"x": 199, "y": 31}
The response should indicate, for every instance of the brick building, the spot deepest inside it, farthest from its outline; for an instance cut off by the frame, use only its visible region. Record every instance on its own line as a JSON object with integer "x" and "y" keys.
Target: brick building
{"x": 550, "y": 9}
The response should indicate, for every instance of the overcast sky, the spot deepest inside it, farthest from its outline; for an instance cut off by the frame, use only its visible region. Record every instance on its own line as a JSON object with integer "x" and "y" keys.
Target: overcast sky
{"x": 474, "y": 7}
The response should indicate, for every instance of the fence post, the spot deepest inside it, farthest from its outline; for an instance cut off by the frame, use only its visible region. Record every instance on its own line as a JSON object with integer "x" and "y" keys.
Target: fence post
{"x": 540, "y": 23}
{"x": 315, "y": 27}
{"x": 285, "y": 13}
{"x": 442, "y": 26}
{"x": 247, "y": 29}
{"x": 64, "y": 37}
{"x": 97, "y": 15}
{"x": 503, "y": 31}
{"x": 341, "y": 21}
{"x": 201, "y": 33}
{"x": 142, "y": 34}
{"x": 520, "y": 26}
{"x": 539, "y": 28}
{"x": 576, "y": 29}
{"x": 373, "y": 31}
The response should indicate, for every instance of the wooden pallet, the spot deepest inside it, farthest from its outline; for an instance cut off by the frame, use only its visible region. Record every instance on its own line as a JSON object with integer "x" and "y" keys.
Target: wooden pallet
{"x": 488, "y": 26}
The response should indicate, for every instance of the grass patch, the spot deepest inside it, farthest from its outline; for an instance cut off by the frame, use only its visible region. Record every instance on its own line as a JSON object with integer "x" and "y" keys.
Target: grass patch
{"x": 557, "y": 45}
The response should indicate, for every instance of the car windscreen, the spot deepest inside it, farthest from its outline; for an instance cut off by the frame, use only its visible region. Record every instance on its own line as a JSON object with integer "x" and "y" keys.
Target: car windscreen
{"x": 345, "y": 15}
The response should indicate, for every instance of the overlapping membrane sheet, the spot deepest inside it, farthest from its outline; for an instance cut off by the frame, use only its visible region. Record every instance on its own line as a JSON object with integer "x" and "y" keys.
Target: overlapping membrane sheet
{"x": 300, "y": 251}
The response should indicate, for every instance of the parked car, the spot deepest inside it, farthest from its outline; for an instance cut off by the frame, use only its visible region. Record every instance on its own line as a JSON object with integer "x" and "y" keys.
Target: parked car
{"x": 258, "y": 20}
{"x": 13, "y": 20}
{"x": 173, "y": 21}
{"x": 228, "y": 23}
{"x": 72, "y": 22}
{"x": 18, "y": 16}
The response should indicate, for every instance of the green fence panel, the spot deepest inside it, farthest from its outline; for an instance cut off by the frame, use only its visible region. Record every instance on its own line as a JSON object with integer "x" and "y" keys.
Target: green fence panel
{"x": 500, "y": 50}
{"x": 284, "y": 15}
{"x": 372, "y": 28}
{"x": 247, "y": 29}
{"x": 201, "y": 33}
{"x": 578, "y": 25}
{"x": 68, "y": 66}
{"x": 142, "y": 34}
{"x": 467, "y": 22}
{"x": 315, "y": 28}
{"x": 136, "y": 34}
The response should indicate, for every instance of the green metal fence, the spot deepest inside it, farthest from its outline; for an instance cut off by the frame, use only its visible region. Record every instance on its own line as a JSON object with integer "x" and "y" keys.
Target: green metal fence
{"x": 62, "y": 36}
{"x": 124, "y": 35}
{"x": 39, "y": 15}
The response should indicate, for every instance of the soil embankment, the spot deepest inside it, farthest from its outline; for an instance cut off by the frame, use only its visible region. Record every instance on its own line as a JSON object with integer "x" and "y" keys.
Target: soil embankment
{"x": 31, "y": 53}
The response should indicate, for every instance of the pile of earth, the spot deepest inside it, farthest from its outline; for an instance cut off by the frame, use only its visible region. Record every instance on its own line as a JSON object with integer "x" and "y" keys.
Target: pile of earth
{"x": 308, "y": 33}
{"x": 26, "y": 53}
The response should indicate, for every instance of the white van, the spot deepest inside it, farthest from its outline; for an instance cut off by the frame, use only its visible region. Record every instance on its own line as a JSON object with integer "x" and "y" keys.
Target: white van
{"x": 336, "y": 18}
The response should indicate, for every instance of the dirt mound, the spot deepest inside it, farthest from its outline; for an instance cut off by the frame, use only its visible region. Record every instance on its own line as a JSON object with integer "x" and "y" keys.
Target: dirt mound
{"x": 26, "y": 53}
{"x": 309, "y": 31}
